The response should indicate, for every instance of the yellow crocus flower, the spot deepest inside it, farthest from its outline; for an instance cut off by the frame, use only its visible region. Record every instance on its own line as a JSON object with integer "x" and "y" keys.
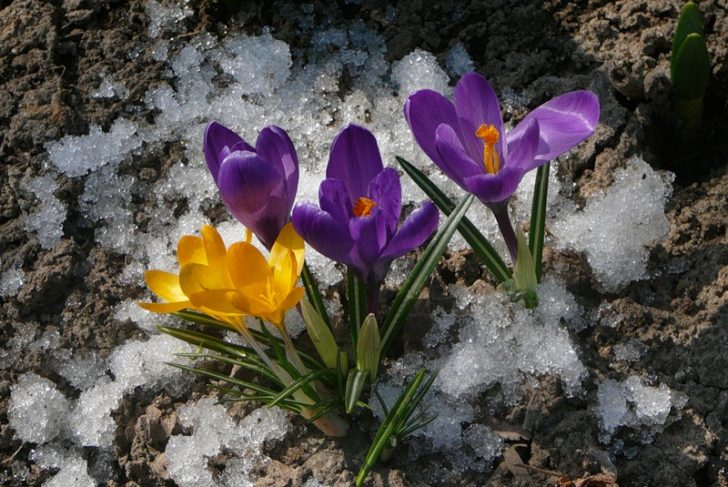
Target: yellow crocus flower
{"x": 251, "y": 285}
{"x": 238, "y": 281}
{"x": 208, "y": 250}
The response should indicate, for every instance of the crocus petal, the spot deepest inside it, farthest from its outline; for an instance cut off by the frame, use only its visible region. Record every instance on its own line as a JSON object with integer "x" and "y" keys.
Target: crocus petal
{"x": 476, "y": 104}
{"x": 242, "y": 145}
{"x": 454, "y": 161}
{"x": 292, "y": 299}
{"x": 247, "y": 267}
{"x": 563, "y": 121}
{"x": 334, "y": 200}
{"x": 214, "y": 246}
{"x": 217, "y": 144}
{"x": 191, "y": 250}
{"x": 354, "y": 159}
{"x": 254, "y": 305}
{"x": 217, "y": 302}
{"x": 425, "y": 110}
{"x": 194, "y": 278}
{"x": 415, "y": 230}
{"x": 284, "y": 276}
{"x": 274, "y": 146}
{"x": 523, "y": 153}
{"x": 494, "y": 188}
{"x": 288, "y": 241}
{"x": 246, "y": 182}
{"x": 322, "y": 232}
{"x": 253, "y": 191}
{"x": 271, "y": 220}
{"x": 386, "y": 191}
{"x": 165, "y": 285}
{"x": 370, "y": 235}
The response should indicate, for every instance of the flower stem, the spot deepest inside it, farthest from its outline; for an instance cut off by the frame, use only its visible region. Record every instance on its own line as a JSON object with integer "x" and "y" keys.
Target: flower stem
{"x": 373, "y": 298}
{"x": 330, "y": 424}
{"x": 291, "y": 351}
{"x": 500, "y": 211}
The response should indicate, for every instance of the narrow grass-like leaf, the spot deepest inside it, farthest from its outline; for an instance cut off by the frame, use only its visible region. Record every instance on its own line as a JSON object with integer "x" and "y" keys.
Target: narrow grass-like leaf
{"x": 382, "y": 404}
{"x": 264, "y": 338}
{"x": 537, "y": 231}
{"x": 421, "y": 393}
{"x": 415, "y": 425}
{"x": 249, "y": 365}
{"x": 410, "y": 290}
{"x": 234, "y": 395}
{"x": 357, "y": 296}
{"x": 202, "y": 319}
{"x": 480, "y": 245}
{"x": 226, "y": 378}
{"x": 387, "y": 428}
{"x": 282, "y": 359}
{"x": 313, "y": 294}
{"x": 302, "y": 383}
{"x": 321, "y": 408}
{"x": 354, "y": 386}
{"x": 210, "y": 342}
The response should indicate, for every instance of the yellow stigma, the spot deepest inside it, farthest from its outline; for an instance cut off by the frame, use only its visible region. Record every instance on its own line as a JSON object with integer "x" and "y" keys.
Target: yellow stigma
{"x": 363, "y": 206}
{"x": 490, "y": 136}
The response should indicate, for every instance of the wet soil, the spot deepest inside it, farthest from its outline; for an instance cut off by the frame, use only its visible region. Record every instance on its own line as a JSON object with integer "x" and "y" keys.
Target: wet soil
{"x": 52, "y": 54}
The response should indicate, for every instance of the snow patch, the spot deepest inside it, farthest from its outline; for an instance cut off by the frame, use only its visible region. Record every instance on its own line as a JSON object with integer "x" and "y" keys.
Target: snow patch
{"x": 617, "y": 227}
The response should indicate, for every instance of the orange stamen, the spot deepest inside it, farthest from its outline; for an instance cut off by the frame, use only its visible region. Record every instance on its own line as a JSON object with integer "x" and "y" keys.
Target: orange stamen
{"x": 490, "y": 136}
{"x": 363, "y": 206}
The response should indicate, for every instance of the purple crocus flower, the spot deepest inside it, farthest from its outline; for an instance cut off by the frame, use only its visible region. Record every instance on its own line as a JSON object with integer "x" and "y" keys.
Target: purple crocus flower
{"x": 258, "y": 184}
{"x": 360, "y": 205}
{"x": 467, "y": 141}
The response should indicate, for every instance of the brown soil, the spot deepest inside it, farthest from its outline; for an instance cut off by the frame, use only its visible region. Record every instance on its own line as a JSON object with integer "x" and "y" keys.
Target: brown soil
{"x": 51, "y": 56}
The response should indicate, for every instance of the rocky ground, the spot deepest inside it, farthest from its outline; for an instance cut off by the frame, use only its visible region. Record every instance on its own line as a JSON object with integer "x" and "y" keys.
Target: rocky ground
{"x": 52, "y": 56}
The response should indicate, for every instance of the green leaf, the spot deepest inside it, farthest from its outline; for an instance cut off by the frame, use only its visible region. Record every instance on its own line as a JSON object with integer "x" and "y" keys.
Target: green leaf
{"x": 388, "y": 427}
{"x": 203, "y": 339}
{"x": 225, "y": 378}
{"x": 357, "y": 296}
{"x": 202, "y": 319}
{"x": 368, "y": 347}
{"x": 210, "y": 342}
{"x": 689, "y": 22}
{"x": 412, "y": 286}
{"x": 691, "y": 75}
{"x": 258, "y": 368}
{"x": 235, "y": 395}
{"x": 321, "y": 408}
{"x": 354, "y": 386}
{"x": 313, "y": 294}
{"x": 303, "y": 382}
{"x": 537, "y": 231}
{"x": 320, "y": 334}
{"x": 480, "y": 245}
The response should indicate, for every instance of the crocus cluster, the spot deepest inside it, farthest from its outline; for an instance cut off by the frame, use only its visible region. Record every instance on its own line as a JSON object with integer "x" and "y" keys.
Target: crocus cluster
{"x": 356, "y": 223}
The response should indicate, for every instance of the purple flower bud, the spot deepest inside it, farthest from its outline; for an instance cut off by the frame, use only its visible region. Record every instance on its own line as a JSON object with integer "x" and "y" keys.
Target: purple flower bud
{"x": 257, "y": 184}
